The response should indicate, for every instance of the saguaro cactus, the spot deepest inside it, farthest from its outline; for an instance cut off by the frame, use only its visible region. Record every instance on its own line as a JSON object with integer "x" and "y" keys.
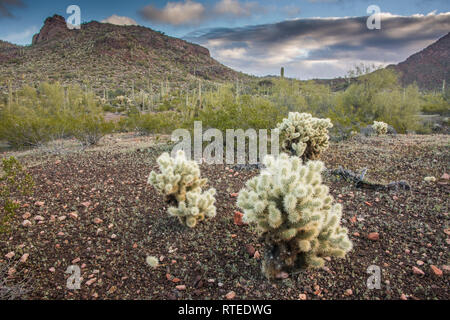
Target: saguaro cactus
{"x": 295, "y": 215}
{"x": 180, "y": 182}
{"x": 303, "y": 135}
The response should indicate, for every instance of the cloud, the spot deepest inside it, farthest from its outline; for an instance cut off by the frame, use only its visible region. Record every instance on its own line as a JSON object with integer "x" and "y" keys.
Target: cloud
{"x": 120, "y": 21}
{"x": 321, "y": 47}
{"x": 235, "y": 8}
{"x": 5, "y": 7}
{"x": 22, "y": 38}
{"x": 175, "y": 13}
{"x": 190, "y": 12}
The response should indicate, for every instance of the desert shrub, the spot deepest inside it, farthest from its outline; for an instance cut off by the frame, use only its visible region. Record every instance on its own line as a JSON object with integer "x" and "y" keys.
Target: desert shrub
{"x": 151, "y": 123}
{"x": 37, "y": 115}
{"x": 303, "y": 135}
{"x": 181, "y": 184}
{"x": 295, "y": 215}
{"x": 89, "y": 129}
{"x": 13, "y": 179}
{"x": 380, "y": 127}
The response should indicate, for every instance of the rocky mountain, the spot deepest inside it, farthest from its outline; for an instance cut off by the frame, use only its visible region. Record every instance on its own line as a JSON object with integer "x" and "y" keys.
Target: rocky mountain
{"x": 105, "y": 56}
{"x": 429, "y": 67}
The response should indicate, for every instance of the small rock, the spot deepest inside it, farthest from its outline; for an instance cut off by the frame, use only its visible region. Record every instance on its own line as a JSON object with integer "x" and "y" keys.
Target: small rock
{"x": 356, "y": 234}
{"x": 26, "y": 215}
{"x": 257, "y": 255}
{"x": 181, "y": 287}
{"x": 38, "y": 218}
{"x": 62, "y": 218}
{"x": 98, "y": 221}
{"x": 445, "y": 176}
{"x": 86, "y": 204}
{"x": 230, "y": 295}
{"x": 348, "y": 292}
{"x": 282, "y": 275}
{"x": 420, "y": 262}
{"x": 446, "y": 269}
{"x": 302, "y": 296}
{"x": 238, "y": 218}
{"x": 39, "y": 203}
{"x": 403, "y": 297}
{"x": 73, "y": 215}
{"x": 250, "y": 249}
{"x": 417, "y": 271}
{"x": 75, "y": 261}
{"x": 52, "y": 270}
{"x": 10, "y": 255}
{"x": 113, "y": 236}
{"x": 234, "y": 195}
{"x": 26, "y": 223}
{"x": 437, "y": 272}
{"x": 374, "y": 236}
{"x": 89, "y": 282}
{"x": 24, "y": 258}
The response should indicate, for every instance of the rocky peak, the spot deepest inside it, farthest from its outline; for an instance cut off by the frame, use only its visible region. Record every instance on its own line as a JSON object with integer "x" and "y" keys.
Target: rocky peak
{"x": 54, "y": 27}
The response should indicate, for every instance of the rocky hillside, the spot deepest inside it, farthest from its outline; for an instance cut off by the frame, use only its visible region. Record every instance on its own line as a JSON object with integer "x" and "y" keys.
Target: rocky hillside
{"x": 429, "y": 67}
{"x": 107, "y": 56}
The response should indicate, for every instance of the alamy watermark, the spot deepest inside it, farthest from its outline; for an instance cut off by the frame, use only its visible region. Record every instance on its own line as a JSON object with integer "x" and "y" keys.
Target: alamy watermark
{"x": 74, "y": 20}
{"x": 235, "y": 145}
{"x": 374, "y": 281}
{"x": 374, "y": 20}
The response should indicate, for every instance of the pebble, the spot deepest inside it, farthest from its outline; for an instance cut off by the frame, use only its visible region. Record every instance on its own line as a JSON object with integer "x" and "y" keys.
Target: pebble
{"x": 52, "y": 269}
{"x": 348, "y": 292}
{"x": 374, "y": 236}
{"x": 420, "y": 262}
{"x": 438, "y": 272}
{"x": 417, "y": 271}
{"x": 24, "y": 258}
{"x": 302, "y": 296}
{"x": 181, "y": 287}
{"x": 10, "y": 255}
{"x": 230, "y": 295}
{"x": 26, "y": 223}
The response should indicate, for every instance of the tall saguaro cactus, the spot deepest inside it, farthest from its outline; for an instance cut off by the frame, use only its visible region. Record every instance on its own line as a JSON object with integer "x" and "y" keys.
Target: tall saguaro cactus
{"x": 295, "y": 215}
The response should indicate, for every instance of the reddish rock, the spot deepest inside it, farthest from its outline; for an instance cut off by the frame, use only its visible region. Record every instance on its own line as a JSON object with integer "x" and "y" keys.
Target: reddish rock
{"x": 374, "y": 236}
{"x": 250, "y": 249}
{"x": 417, "y": 271}
{"x": 437, "y": 272}
{"x": 181, "y": 287}
{"x": 238, "y": 218}
{"x": 230, "y": 295}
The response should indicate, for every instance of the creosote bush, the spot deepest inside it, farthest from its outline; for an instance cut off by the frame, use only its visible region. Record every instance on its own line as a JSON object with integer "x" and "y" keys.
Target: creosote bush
{"x": 295, "y": 215}
{"x": 14, "y": 178}
{"x": 380, "y": 127}
{"x": 303, "y": 135}
{"x": 180, "y": 182}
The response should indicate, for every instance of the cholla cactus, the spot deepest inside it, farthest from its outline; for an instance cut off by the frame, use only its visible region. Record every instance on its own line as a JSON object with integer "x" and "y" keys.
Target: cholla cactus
{"x": 295, "y": 215}
{"x": 180, "y": 182}
{"x": 380, "y": 127}
{"x": 303, "y": 135}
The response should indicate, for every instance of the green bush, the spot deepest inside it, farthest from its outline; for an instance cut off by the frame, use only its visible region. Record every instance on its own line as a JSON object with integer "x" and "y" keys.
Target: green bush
{"x": 36, "y": 116}
{"x": 13, "y": 179}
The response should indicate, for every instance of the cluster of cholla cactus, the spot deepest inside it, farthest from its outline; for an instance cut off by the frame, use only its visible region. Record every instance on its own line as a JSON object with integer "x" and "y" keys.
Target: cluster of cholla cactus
{"x": 303, "y": 135}
{"x": 380, "y": 127}
{"x": 295, "y": 215}
{"x": 181, "y": 184}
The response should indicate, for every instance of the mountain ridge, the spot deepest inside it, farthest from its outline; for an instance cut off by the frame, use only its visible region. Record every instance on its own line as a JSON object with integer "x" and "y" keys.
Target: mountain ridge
{"x": 103, "y": 55}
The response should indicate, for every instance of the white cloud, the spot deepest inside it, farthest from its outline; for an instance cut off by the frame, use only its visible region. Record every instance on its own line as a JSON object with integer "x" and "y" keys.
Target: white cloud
{"x": 120, "y": 21}
{"x": 235, "y": 8}
{"x": 175, "y": 13}
{"x": 22, "y": 38}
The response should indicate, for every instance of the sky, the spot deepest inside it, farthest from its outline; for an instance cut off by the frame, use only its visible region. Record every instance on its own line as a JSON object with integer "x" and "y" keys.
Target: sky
{"x": 309, "y": 38}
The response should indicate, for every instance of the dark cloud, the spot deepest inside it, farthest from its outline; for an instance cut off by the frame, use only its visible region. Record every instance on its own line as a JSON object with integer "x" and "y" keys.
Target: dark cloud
{"x": 322, "y": 47}
{"x": 6, "y": 5}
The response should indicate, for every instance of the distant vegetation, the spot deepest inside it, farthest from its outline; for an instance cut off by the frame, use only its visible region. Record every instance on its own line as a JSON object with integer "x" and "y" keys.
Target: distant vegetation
{"x": 35, "y": 115}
